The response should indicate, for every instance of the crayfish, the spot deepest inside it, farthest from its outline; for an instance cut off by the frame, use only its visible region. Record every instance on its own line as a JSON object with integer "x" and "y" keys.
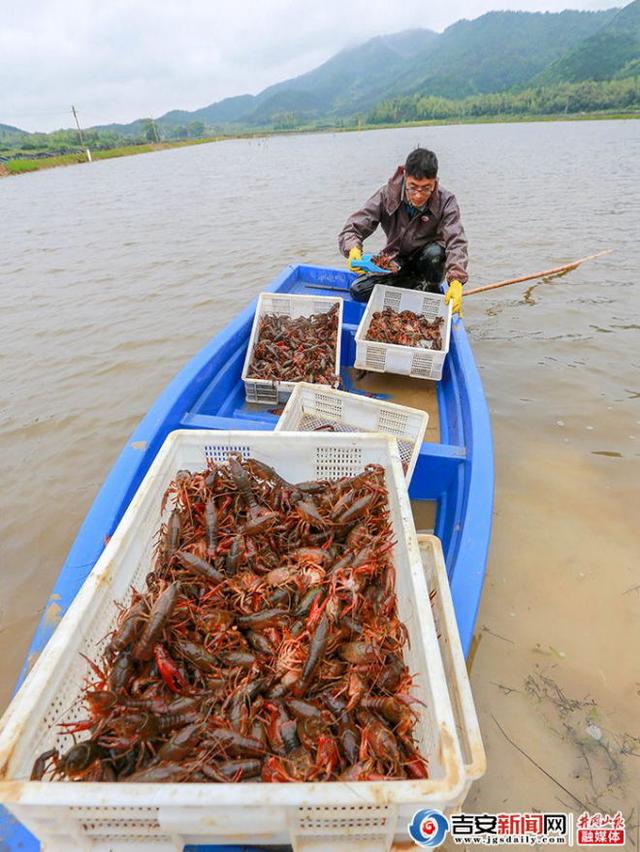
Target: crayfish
{"x": 265, "y": 646}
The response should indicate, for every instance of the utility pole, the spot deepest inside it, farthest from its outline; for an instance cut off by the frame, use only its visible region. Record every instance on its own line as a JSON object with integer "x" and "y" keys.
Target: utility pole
{"x": 155, "y": 130}
{"x": 75, "y": 115}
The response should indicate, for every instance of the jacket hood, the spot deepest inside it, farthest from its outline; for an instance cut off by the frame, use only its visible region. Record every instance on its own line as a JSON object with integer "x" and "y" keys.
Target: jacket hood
{"x": 394, "y": 190}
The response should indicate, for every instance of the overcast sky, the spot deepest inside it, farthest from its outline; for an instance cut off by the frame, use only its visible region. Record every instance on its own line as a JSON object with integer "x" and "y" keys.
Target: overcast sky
{"x": 118, "y": 60}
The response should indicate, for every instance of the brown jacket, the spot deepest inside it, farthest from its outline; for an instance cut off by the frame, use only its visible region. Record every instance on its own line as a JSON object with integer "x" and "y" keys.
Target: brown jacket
{"x": 439, "y": 222}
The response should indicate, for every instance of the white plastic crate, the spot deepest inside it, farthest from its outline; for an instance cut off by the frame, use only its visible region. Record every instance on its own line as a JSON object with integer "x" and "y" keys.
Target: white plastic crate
{"x": 312, "y": 407}
{"x": 294, "y": 306}
{"x": 391, "y": 357}
{"x": 455, "y": 667}
{"x": 328, "y": 816}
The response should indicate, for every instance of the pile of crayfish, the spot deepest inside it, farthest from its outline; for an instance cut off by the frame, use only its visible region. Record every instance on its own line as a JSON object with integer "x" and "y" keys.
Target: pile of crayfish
{"x": 386, "y": 261}
{"x": 406, "y": 329}
{"x": 297, "y": 350}
{"x": 265, "y": 646}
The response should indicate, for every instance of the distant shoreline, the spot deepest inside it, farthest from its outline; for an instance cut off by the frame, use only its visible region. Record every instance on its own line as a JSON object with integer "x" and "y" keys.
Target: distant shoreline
{"x": 26, "y": 166}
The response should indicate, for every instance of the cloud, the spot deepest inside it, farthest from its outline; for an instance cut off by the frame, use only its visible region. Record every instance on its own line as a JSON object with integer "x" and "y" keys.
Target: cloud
{"x": 123, "y": 59}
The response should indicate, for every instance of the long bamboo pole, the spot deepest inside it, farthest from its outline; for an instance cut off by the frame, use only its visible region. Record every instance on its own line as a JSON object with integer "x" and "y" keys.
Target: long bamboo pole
{"x": 558, "y": 270}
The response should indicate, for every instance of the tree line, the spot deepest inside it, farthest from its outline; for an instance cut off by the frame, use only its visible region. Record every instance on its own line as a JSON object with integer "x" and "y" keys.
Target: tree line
{"x": 62, "y": 141}
{"x": 621, "y": 96}
{"x": 568, "y": 98}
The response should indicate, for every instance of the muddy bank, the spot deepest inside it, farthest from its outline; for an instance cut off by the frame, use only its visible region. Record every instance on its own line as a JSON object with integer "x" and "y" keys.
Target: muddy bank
{"x": 554, "y": 666}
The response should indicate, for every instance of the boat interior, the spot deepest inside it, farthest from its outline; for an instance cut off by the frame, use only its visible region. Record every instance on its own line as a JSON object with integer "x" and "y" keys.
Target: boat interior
{"x": 224, "y": 396}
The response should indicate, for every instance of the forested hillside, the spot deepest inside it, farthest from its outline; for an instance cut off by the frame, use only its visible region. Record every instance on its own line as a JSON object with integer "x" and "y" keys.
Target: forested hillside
{"x": 611, "y": 53}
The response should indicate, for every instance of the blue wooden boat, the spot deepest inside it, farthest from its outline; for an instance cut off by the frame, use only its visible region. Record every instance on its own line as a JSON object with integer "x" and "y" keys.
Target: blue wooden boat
{"x": 454, "y": 473}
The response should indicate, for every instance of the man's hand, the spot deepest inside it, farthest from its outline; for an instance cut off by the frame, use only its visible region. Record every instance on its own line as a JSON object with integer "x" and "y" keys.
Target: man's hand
{"x": 355, "y": 254}
{"x": 454, "y": 295}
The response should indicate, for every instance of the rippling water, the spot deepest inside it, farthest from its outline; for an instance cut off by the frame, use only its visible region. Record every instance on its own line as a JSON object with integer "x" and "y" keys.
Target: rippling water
{"x": 113, "y": 275}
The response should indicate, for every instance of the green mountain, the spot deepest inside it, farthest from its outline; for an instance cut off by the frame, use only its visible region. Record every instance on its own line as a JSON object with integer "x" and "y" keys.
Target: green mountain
{"x": 354, "y": 78}
{"x": 355, "y": 74}
{"x": 611, "y": 53}
{"x": 227, "y": 110}
{"x": 492, "y": 53}
{"x": 9, "y": 132}
{"x": 496, "y": 52}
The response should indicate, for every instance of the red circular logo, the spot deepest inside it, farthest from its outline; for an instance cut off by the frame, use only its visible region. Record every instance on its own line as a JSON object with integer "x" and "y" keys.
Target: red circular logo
{"x": 428, "y": 827}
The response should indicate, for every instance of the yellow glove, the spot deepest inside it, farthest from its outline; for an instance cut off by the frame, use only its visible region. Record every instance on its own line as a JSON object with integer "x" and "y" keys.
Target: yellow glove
{"x": 454, "y": 295}
{"x": 355, "y": 254}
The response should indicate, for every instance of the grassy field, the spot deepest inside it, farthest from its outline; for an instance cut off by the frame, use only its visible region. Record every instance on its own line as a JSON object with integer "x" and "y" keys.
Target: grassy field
{"x": 14, "y": 167}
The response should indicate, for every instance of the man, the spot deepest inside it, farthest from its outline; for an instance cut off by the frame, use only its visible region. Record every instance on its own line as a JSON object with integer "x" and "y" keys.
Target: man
{"x": 424, "y": 233}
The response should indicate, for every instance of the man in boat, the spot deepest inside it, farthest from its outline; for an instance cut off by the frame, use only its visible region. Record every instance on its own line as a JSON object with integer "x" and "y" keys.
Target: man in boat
{"x": 425, "y": 237}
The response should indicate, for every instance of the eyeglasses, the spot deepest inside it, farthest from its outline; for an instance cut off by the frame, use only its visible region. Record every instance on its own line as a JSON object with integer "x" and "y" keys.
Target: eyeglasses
{"x": 420, "y": 189}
